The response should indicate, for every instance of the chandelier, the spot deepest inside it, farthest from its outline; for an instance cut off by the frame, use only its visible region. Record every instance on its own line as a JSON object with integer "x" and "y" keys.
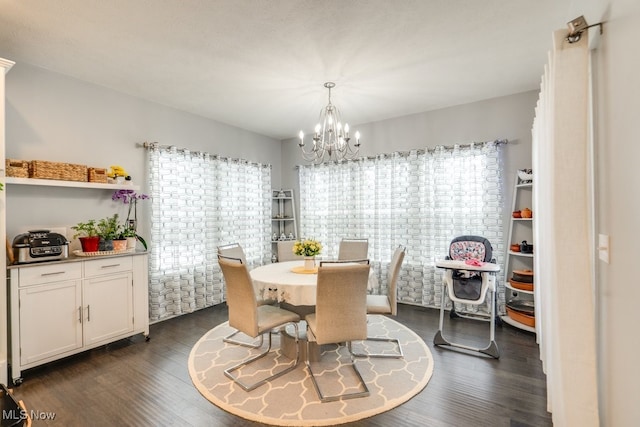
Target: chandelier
{"x": 330, "y": 139}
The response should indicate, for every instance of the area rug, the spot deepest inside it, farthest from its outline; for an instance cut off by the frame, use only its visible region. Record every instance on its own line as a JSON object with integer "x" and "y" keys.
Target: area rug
{"x": 291, "y": 399}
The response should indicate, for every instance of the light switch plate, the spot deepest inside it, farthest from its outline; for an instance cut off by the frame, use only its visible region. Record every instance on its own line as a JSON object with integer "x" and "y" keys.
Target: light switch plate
{"x": 603, "y": 247}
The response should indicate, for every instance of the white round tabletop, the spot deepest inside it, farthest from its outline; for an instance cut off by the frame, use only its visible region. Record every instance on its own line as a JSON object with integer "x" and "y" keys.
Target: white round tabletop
{"x": 278, "y": 281}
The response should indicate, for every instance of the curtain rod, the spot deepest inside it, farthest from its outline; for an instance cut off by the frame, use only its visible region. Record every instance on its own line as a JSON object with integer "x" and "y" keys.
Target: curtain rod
{"x": 423, "y": 150}
{"x": 155, "y": 146}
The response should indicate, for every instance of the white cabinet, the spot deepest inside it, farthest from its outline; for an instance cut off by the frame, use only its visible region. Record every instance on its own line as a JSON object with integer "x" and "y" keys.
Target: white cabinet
{"x": 58, "y": 309}
{"x": 520, "y": 230}
{"x": 107, "y": 294}
{"x": 50, "y": 320}
{"x": 283, "y": 219}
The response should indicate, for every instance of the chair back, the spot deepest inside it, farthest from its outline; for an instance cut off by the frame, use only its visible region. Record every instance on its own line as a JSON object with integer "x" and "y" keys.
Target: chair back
{"x": 341, "y": 303}
{"x": 285, "y": 251}
{"x": 233, "y": 250}
{"x": 394, "y": 272}
{"x": 463, "y": 248}
{"x": 241, "y": 298}
{"x": 337, "y": 262}
{"x": 351, "y": 249}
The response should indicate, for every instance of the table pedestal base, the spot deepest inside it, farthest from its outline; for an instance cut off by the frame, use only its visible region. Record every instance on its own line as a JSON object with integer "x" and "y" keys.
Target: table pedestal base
{"x": 288, "y": 343}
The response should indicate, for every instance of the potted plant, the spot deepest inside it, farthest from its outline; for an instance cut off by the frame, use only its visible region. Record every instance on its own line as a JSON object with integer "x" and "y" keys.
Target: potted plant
{"x": 87, "y": 232}
{"x": 130, "y": 198}
{"x": 131, "y": 236}
{"x": 308, "y": 248}
{"x": 108, "y": 230}
{"x": 116, "y": 174}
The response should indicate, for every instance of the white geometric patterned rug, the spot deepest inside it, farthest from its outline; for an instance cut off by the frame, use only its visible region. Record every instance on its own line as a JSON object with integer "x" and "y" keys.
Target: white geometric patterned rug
{"x": 291, "y": 399}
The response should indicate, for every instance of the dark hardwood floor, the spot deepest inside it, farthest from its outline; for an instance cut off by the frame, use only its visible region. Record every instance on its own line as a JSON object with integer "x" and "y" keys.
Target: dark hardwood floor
{"x": 137, "y": 383}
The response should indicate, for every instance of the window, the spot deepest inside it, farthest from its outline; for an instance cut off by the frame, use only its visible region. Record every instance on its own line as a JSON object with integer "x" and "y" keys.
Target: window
{"x": 198, "y": 202}
{"x": 420, "y": 199}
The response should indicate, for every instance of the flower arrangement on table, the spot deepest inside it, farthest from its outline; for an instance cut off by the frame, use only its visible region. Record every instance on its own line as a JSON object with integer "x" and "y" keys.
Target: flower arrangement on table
{"x": 307, "y": 247}
{"x": 130, "y": 197}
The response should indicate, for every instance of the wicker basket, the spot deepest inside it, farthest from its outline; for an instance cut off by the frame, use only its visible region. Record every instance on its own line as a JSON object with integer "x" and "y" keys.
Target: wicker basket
{"x": 97, "y": 175}
{"x": 61, "y": 171}
{"x": 17, "y": 168}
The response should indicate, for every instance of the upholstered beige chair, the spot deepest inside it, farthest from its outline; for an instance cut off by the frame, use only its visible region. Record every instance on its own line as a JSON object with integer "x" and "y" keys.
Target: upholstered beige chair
{"x": 247, "y": 316}
{"x": 234, "y": 250}
{"x": 351, "y": 249}
{"x": 285, "y": 251}
{"x": 341, "y": 316}
{"x": 387, "y": 304}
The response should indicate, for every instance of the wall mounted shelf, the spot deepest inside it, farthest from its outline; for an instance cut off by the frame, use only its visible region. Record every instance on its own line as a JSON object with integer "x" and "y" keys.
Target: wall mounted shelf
{"x": 72, "y": 184}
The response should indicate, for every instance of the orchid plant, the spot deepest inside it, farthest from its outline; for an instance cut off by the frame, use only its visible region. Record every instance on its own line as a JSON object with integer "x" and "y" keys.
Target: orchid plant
{"x": 130, "y": 197}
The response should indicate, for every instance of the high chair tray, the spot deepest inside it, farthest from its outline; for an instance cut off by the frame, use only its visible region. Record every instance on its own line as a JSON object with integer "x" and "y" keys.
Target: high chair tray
{"x": 461, "y": 265}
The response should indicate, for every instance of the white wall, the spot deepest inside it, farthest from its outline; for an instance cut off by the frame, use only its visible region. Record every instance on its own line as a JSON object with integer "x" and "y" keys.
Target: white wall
{"x": 508, "y": 117}
{"x": 617, "y": 139}
{"x": 57, "y": 118}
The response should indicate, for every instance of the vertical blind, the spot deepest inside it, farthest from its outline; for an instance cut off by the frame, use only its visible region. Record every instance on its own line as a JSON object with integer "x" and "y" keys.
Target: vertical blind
{"x": 421, "y": 199}
{"x": 198, "y": 202}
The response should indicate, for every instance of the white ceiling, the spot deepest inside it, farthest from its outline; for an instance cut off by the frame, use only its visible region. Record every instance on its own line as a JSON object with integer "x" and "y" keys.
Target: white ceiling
{"x": 261, "y": 65}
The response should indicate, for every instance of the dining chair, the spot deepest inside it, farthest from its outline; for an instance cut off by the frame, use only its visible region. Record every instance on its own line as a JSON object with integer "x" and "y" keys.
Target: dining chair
{"x": 252, "y": 319}
{"x": 235, "y": 250}
{"x": 285, "y": 251}
{"x": 351, "y": 249}
{"x": 341, "y": 316}
{"x": 387, "y": 304}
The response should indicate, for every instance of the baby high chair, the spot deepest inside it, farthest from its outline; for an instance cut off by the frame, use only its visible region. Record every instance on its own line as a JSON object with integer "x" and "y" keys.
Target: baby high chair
{"x": 470, "y": 272}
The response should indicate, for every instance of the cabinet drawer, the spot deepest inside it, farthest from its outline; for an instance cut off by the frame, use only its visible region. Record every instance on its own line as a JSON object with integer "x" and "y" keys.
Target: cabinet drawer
{"x": 36, "y": 275}
{"x": 99, "y": 267}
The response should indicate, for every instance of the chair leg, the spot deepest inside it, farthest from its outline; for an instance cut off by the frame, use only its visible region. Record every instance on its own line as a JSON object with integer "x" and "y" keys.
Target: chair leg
{"x": 289, "y": 368}
{"x": 490, "y": 350}
{"x": 398, "y": 355}
{"x": 345, "y": 396}
{"x": 229, "y": 339}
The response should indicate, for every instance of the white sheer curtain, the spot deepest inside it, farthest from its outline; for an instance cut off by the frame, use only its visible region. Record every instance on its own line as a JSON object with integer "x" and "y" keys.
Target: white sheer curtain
{"x": 421, "y": 199}
{"x": 565, "y": 306}
{"x": 198, "y": 202}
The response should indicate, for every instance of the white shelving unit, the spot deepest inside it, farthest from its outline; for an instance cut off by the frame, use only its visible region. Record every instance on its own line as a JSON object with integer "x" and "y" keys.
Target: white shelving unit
{"x": 283, "y": 218}
{"x": 72, "y": 184}
{"x": 520, "y": 229}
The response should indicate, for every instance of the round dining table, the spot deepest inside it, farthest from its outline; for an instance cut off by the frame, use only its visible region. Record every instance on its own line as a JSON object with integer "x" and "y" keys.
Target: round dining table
{"x": 295, "y": 290}
{"x": 289, "y": 283}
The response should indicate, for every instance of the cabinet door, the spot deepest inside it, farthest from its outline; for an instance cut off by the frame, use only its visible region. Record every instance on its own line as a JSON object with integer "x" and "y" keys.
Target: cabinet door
{"x": 108, "y": 307}
{"x": 50, "y": 320}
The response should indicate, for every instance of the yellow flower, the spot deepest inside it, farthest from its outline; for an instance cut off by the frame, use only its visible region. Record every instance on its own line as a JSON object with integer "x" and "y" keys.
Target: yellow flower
{"x": 308, "y": 247}
{"x": 115, "y": 171}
